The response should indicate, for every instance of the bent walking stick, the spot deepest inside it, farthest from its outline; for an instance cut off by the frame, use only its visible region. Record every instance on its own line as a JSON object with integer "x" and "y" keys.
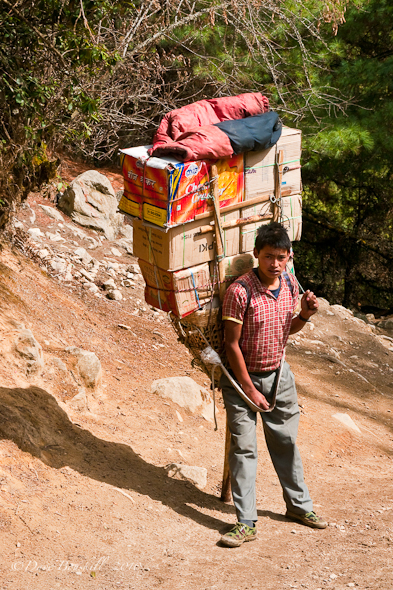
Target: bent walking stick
{"x": 226, "y": 479}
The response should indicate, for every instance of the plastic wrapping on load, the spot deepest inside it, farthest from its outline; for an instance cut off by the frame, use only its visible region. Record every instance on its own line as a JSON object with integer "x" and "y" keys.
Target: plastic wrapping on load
{"x": 210, "y": 357}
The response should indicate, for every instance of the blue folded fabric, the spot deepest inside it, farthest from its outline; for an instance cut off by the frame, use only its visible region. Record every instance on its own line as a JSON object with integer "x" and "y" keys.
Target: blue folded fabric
{"x": 252, "y": 134}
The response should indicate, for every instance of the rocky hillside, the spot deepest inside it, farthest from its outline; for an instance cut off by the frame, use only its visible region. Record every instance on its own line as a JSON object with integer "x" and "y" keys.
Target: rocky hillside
{"x": 110, "y": 477}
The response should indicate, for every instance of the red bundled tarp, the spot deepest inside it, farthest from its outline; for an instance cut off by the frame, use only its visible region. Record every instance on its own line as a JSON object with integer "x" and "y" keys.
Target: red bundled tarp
{"x": 189, "y": 133}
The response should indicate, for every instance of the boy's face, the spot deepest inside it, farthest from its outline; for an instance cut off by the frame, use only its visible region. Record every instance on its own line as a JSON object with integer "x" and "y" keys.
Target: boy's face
{"x": 271, "y": 261}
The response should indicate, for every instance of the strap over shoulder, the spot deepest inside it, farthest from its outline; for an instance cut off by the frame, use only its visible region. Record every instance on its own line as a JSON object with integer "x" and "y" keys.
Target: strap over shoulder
{"x": 244, "y": 284}
{"x": 288, "y": 281}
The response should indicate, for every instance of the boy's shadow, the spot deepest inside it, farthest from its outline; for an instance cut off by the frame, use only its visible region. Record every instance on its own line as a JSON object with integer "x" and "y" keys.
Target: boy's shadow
{"x": 35, "y": 422}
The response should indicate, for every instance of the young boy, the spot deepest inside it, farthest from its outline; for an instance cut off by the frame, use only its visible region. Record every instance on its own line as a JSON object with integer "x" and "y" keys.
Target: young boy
{"x": 258, "y": 318}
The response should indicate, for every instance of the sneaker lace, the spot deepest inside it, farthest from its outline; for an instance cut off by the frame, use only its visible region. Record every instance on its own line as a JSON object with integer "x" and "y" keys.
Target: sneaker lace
{"x": 311, "y": 516}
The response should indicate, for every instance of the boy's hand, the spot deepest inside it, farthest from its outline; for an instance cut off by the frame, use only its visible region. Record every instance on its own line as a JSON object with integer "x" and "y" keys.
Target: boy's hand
{"x": 257, "y": 397}
{"x": 309, "y": 304}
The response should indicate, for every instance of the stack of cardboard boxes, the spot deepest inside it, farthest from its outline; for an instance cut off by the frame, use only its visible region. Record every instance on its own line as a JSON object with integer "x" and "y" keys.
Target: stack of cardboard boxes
{"x": 172, "y": 211}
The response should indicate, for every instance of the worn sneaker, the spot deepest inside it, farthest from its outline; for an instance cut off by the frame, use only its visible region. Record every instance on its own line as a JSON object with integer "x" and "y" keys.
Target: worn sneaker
{"x": 239, "y": 534}
{"x": 310, "y": 519}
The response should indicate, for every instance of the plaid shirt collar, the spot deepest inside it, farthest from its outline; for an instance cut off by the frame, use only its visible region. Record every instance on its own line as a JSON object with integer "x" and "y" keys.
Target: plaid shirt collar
{"x": 259, "y": 286}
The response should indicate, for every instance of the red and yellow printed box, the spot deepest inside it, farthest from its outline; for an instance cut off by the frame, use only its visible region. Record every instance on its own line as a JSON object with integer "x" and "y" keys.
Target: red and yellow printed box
{"x": 165, "y": 179}
{"x": 181, "y": 292}
{"x": 174, "y": 192}
{"x": 130, "y": 202}
{"x": 230, "y": 180}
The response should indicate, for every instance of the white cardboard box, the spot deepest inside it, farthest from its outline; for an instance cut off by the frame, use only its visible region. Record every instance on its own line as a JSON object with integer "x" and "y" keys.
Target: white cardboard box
{"x": 259, "y": 174}
{"x": 292, "y": 216}
{"x": 179, "y": 247}
{"x": 248, "y": 232}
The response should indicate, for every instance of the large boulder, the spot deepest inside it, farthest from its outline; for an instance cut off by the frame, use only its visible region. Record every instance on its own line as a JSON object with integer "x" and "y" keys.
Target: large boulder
{"x": 341, "y": 311}
{"x": 185, "y": 392}
{"x": 91, "y": 201}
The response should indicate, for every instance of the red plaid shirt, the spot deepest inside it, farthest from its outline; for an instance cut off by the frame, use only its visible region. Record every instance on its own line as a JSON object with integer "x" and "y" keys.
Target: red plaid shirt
{"x": 267, "y": 322}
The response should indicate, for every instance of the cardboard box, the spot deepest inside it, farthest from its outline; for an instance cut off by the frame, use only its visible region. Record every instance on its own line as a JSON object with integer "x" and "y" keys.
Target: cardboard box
{"x": 179, "y": 247}
{"x": 235, "y": 266}
{"x": 167, "y": 214}
{"x": 292, "y": 216}
{"x": 259, "y": 168}
{"x": 174, "y": 192}
{"x": 230, "y": 180}
{"x": 161, "y": 178}
{"x": 181, "y": 292}
{"x": 231, "y": 235}
{"x": 265, "y": 208}
{"x": 248, "y": 232}
{"x": 292, "y": 178}
{"x": 130, "y": 203}
{"x": 259, "y": 173}
{"x": 291, "y": 144}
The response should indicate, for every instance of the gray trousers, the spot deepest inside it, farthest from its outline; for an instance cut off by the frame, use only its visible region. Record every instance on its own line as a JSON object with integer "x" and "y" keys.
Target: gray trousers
{"x": 280, "y": 428}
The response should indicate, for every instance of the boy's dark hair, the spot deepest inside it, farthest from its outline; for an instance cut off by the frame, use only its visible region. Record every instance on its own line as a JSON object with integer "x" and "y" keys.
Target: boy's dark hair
{"x": 274, "y": 235}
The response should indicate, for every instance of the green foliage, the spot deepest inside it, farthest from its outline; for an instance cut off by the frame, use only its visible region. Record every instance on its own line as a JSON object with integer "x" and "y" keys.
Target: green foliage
{"x": 49, "y": 62}
{"x": 89, "y": 77}
{"x": 340, "y": 141}
{"x": 349, "y": 163}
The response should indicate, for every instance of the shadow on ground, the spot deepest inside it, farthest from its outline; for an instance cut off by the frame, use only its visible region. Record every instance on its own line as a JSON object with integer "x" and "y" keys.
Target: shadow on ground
{"x": 33, "y": 420}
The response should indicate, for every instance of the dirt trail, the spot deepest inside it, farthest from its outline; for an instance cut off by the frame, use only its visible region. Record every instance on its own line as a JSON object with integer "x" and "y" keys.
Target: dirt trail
{"x": 85, "y": 501}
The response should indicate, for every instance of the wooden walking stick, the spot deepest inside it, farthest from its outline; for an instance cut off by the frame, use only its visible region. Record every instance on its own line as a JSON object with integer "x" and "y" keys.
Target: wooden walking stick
{"x": 226, "y": 494}
{"x": 226, "y": 480}
{"x": 278, "y": 182}
{"x": 219, "y": 234}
